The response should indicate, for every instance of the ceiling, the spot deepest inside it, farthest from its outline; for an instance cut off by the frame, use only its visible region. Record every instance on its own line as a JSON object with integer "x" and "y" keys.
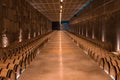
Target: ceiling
{"x": 51, "y": 8}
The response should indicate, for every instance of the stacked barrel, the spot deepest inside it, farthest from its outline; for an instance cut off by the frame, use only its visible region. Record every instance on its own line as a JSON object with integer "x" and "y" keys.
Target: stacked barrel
{"x": 18, "y": 58}
{"x": 108, "y": 61}
{"x": 23, "y": 30}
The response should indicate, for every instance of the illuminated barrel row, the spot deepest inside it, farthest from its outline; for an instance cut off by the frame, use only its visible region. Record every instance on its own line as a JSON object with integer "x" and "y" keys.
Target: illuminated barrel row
{"x": 109, "y": 62}
{"x": 18, "y": 65}
{"x": 17, "y": 62}
{"x": 25, "y": 49}
{"x": 21, "y": 46}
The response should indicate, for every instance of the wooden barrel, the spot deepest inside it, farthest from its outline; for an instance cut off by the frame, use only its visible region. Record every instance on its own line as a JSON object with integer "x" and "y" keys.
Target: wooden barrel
{"x": 26, "y": 60}
{"x": 115, "y": 64}
{"x": 16, "y": 68}
{"x": 101, "y": 63}
{"x": 20, "y": 63}
{"x": 9, "y": 61}
{"x": 3, "y": 78}
{"x": 4, "y": 65}
{"x": 118, "y": 76}
{"x": 7, "y": 74}
{"x": 23, "y": 63}
{"x": 106, "y": 65}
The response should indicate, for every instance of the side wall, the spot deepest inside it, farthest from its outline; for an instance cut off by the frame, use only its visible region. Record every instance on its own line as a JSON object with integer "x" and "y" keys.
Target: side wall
{"x": 99, "y": 22}
{"x": 19, "y": 21}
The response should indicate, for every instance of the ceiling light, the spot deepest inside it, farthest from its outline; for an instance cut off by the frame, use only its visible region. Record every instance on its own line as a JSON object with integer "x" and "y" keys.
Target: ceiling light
{"x": 60, "y": 11}
{"x": 61, "y": 6}
{"x": 61, "y": 0}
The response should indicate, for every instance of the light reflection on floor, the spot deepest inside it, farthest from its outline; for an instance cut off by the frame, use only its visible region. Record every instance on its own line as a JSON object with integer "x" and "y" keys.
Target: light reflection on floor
{"x": 60, "y": 58}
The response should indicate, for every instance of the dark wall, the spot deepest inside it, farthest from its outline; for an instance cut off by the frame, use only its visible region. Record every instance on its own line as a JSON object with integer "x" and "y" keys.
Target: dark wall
{"x": 55, "y": 26}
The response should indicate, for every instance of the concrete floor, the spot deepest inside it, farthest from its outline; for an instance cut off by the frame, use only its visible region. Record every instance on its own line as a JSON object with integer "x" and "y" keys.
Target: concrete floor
{"x": 61, "y": 59}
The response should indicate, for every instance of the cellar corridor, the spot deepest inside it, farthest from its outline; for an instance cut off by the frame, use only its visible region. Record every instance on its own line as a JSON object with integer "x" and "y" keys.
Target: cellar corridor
{"x": 59, "y": 39}
{"x": 62, "y": 59}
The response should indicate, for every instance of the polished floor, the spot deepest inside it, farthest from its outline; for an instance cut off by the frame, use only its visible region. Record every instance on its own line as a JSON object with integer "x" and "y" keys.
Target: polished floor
{"x": 62, "y": 59}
